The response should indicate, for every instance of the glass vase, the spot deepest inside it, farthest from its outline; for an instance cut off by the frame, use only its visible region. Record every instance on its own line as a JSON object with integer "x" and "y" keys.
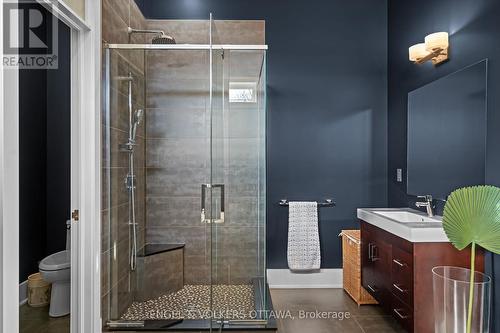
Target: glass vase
{"x": 451, "y": 300}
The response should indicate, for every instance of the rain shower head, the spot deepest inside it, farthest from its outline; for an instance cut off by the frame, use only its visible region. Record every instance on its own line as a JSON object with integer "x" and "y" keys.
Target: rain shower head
{"x": 160, "y": 38}
{"x": 163, "y": 39}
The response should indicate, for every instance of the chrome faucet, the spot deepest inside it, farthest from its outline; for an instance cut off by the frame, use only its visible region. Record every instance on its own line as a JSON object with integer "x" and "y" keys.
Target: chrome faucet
{"x": 427, "y": 203}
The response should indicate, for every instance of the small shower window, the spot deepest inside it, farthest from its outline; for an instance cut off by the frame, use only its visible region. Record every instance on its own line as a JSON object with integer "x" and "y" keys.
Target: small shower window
{"x": 242, "y": 92}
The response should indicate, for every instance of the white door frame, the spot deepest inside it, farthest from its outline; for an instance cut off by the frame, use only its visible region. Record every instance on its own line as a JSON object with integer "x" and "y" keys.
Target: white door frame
{"x": 9, "y": 196}
{"x": 85, "y": 147}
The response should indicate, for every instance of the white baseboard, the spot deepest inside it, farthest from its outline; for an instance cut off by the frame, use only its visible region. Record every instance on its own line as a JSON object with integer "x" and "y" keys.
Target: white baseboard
{"x": 324, "y": 278}
{"x": 23, "y": 292}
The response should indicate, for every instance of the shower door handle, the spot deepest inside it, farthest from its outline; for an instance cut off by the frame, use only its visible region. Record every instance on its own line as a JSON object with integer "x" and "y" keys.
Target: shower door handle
{"x": 203, "y": 216}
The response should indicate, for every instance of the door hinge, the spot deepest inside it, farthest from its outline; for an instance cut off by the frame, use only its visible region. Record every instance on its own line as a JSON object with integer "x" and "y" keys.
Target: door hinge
{"x": 75, "y": 215}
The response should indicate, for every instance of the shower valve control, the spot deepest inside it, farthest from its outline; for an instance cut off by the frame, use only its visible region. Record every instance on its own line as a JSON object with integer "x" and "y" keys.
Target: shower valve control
{"x": 130, "y": 181}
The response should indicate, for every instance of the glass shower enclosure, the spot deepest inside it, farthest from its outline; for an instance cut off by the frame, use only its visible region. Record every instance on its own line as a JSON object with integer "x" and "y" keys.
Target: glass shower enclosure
{"x": 184, "y": 186}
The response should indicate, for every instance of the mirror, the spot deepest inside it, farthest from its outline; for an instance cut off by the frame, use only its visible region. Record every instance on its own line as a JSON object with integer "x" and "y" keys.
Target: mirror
{"x": 447, "y": 133}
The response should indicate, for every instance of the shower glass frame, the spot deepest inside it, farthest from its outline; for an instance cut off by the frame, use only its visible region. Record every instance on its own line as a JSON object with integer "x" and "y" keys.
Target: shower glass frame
{"x": 219, "y": 142}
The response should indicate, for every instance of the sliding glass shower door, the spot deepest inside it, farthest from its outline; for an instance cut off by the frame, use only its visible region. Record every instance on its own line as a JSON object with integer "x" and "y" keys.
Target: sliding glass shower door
{"x": 239, "y": 294}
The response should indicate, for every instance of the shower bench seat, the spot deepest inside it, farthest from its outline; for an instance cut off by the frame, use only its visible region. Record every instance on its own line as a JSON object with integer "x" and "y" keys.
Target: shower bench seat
{"x": 160, "y": 270}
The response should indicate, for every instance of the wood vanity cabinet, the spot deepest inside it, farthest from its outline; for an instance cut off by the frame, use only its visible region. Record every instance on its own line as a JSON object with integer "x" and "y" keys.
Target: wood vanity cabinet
{"x": 398, "y": 274}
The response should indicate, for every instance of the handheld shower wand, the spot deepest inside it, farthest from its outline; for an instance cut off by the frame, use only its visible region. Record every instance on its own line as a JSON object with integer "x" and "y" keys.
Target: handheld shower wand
{"x": 136, "y": 122}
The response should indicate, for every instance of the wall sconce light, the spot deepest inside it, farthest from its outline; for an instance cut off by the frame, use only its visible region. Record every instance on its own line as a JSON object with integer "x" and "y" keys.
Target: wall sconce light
{"x": 435, "y": 48}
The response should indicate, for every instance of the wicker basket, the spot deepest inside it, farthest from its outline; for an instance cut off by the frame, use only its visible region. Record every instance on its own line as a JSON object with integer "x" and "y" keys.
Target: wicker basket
{"x": 351, "y": 249}
{"x": 38, "y": 290}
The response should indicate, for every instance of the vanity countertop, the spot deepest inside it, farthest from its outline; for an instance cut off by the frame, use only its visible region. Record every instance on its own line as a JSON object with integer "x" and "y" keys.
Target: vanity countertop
{"x": 407, "y": 223}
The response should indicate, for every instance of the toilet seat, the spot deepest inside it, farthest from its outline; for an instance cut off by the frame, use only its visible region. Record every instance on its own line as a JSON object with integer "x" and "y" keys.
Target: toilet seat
{"x": 55, "y": 262}
{"x": 56, "y": 270}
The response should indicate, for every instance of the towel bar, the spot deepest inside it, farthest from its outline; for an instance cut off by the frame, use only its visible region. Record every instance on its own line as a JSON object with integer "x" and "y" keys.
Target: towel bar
{"x": 327, "y": 203}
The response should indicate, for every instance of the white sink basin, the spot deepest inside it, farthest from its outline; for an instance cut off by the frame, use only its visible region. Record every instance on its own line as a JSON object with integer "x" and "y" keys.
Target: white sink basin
{"x": 406, "y": 217}
{"x": 406, "y": 223}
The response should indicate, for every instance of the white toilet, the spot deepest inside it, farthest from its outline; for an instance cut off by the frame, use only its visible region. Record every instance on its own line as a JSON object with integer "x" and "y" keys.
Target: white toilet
{"x": 56, "y": 270}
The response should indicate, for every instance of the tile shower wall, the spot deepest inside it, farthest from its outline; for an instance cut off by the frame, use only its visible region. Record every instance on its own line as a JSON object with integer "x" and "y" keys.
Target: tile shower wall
{"x": 177, "y": 147}
{"x": 177, "y": 155}
{"x": 117, "y": 282}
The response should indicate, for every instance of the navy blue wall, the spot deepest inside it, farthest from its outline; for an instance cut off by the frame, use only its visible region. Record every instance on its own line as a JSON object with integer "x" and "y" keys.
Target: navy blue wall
{"x": 32, "y": 169}
{"x": 59, "y": 145}
{"x": 44, "y": 168}
{"x": 475, "y": 35}
{"x": 327, "y": 110}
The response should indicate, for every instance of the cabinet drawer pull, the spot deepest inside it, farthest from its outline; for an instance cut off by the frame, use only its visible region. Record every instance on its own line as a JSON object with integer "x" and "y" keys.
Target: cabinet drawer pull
{"x": 373, "y": 252}
{"x": 398, "y": 262}
{"x": 373, "y": 290}
{"x": 396, "y": 311}
{"x": 398, "y": 288}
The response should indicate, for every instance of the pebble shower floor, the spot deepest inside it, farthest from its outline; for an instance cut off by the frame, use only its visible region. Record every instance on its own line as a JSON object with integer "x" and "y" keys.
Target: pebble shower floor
{"x": 193, "y": 302}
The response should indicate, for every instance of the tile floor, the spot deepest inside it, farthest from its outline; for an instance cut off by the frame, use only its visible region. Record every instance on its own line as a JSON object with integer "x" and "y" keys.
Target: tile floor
{"x": 37, "y": 320}
{"x": 363, "y": 319}
{"x": 294, "y": 304}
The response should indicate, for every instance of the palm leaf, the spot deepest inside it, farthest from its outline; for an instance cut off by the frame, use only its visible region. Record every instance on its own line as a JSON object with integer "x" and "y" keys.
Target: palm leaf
{"x": 472, "y": 215}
